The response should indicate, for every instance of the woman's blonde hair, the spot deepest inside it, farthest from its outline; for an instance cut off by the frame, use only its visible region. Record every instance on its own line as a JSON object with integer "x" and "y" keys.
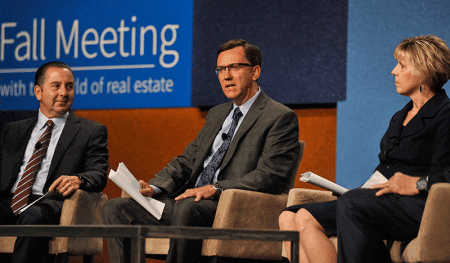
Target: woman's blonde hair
{"x": 430, "y": 58}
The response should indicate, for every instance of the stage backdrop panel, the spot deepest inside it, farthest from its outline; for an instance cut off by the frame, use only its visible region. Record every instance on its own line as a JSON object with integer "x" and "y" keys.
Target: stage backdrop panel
{"x": 304, "y": 46}
{"x": 375, "y": 29}
{"x": 124, "y": 54}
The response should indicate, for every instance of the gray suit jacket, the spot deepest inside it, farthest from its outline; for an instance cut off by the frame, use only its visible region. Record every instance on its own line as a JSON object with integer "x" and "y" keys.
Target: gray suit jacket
{"x": 82, "y": 150}
{"x": 261, "y": 156}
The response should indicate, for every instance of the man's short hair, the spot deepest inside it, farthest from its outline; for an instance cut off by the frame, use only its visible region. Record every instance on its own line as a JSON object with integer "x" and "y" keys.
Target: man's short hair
{"x": 39, "y": 77}
{"x": 252, "y": 52}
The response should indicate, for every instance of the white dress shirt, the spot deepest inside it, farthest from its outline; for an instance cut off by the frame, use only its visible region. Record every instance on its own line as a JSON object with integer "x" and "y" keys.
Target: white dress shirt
{"x": 38, "y": 130}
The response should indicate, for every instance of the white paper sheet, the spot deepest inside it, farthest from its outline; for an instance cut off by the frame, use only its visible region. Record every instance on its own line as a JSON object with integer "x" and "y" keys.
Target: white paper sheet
{"x": 309, "y": 177}
{"x": 125, "y": 180}
{"x": 317, "y": 180}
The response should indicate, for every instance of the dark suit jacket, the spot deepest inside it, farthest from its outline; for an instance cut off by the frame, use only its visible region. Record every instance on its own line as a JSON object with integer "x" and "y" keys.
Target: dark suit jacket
{"x": 82, "y": 150}
{"x": 261, "y": 156}
{"x": 422, "y": 147}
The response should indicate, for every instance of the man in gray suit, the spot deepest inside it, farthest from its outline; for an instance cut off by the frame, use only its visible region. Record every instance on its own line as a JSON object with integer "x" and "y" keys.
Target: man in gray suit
{"x": 249, "y": 143}
{"x": 73, "y": 156}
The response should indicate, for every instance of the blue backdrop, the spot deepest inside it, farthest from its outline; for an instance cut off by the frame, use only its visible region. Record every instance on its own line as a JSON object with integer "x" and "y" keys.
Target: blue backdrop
{"x": 149, "y": 54}
{"x": 375, "y": 28}
{"x": 125, "y": 54}
{"x": 303, "y": 46}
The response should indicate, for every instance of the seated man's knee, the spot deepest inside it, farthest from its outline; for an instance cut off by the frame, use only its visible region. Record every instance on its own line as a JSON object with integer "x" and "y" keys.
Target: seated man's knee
{"x": 188, "y": 212}
{"x": 112, "y": 207}
{"x": 34, "y": 215}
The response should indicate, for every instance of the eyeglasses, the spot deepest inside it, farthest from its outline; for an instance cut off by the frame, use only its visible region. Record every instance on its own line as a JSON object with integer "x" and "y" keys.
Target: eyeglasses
{"x": 233, "y": 68}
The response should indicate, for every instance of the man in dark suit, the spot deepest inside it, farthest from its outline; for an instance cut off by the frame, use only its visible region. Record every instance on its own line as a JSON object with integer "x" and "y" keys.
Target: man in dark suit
{"x": 74, "y": 156}
{"x": 249, "y": 143}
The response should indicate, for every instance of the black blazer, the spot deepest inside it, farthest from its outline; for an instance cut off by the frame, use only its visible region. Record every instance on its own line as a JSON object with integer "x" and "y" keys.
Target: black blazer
{"x": 82, "y": 150}
{"x": 261, "y": 156}
{"x": 422, "y": 147}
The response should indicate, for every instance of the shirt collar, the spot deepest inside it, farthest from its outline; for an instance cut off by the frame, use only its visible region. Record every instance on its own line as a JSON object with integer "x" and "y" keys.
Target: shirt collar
{"x": 246, "y": 106}
{"x": 58, "y": 121}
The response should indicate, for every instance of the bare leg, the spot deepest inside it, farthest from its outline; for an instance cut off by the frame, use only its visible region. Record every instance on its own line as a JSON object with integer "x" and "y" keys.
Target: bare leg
{"x": 314, "y": 244}
{"x": 287, "y": 223}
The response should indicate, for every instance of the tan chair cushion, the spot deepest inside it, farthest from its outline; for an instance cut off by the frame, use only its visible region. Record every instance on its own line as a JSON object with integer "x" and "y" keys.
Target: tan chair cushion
{"x": 82, "y": 208}
{"x": 433, "y": 240}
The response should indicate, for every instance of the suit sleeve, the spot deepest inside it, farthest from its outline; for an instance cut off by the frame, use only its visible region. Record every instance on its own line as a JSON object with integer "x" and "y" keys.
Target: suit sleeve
{"x": 177, "y": 172}
{"x": 96, "y": 160}
{"x": 276, "y": 161}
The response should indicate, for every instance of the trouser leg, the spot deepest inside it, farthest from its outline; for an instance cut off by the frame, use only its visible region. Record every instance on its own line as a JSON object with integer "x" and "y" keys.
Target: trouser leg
{"x": 364, "y": 220}
{"x": 6, "y": 218}
{"x": 126, "y": 211}
{"x": 187, "y": 212}
{"x": 35, "y": 249}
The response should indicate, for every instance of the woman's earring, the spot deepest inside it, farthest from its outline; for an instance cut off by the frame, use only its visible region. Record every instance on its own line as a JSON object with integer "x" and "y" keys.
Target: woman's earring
{"x": 420, "y": 88}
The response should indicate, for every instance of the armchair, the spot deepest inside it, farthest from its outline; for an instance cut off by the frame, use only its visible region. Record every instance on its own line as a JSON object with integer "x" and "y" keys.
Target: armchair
{"x": 239, "y": 209}
{"x": 432, "y": 243}
{"x": 82, "y": 208}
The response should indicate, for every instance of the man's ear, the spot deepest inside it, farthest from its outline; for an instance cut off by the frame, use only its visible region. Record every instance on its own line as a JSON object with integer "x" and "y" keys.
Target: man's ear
{"x": 256, "y": 72}
{"x": 38, "y": 92}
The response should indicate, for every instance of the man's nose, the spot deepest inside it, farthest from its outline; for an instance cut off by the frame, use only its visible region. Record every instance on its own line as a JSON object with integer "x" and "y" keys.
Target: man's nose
{"x": 227, "y": 73}
{"x": 63, "y": 91}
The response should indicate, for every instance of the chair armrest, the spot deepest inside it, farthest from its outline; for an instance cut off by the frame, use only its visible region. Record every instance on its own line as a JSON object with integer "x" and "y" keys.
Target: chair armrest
{"x": 247, "y": 209}
{"x": 82, "y": 208}
{"x": 299, "y": 196}
{"x": 251, "y": 210}
{"x": 433, "y": 240}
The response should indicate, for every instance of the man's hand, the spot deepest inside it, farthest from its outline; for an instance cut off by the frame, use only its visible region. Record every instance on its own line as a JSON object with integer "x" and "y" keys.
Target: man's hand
{"x": 146, "y": 190}
{"x": 66, "y": 184}
{"x": 398, "y": 184}
{"x": 200, "y": 193}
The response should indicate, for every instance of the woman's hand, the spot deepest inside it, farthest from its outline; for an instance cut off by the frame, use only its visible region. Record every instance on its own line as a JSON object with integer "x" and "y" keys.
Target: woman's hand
{"x": 400, "y": 183}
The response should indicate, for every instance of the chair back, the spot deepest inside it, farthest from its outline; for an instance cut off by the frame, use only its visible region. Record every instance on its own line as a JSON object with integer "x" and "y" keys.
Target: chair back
{"x": 293, "y": 175}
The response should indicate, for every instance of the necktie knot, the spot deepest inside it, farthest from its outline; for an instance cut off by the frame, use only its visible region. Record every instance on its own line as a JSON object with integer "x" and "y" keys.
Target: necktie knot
{"x": 237, "y": 114}
{"x": 50, "y": 124}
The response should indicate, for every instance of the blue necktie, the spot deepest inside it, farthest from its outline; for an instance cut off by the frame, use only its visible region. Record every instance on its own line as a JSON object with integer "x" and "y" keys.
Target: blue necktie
{"x": 209, "y": 171}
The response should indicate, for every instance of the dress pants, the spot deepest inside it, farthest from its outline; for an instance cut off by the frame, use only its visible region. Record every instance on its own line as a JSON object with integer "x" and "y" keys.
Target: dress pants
{"x": 185, "y": 212}
{"x": 44, "y": 212}
{"x": 364, "y": 220}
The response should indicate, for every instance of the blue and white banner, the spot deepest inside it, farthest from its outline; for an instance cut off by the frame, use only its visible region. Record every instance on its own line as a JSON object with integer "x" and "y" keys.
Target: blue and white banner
{"x": 124, "y": 54}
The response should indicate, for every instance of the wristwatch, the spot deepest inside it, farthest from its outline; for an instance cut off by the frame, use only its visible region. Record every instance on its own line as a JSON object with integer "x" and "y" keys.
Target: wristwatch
{"x": 218, "y": 189}
{"x": 422, "y": 184}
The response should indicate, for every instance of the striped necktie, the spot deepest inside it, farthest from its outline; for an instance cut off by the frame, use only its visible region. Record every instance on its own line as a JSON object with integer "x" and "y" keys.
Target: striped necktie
{"x": 209, "y": 171}
{"x": 23, "y": 190}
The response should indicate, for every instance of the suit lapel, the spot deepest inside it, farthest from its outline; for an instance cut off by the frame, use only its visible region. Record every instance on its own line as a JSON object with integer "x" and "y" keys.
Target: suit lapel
{"x": 429, "y": 110}
{"x": 252, "y": 115}
{"x": 22, "y": 140}
{"x": 209, "y": 137}
{"x": 69, "y": 132}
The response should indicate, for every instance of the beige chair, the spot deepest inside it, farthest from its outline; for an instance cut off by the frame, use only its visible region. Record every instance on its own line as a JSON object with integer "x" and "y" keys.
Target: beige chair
{"x": 82, "y": 208}
{"x": 239, "y": 209}
{"x": 433, "y": 240}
